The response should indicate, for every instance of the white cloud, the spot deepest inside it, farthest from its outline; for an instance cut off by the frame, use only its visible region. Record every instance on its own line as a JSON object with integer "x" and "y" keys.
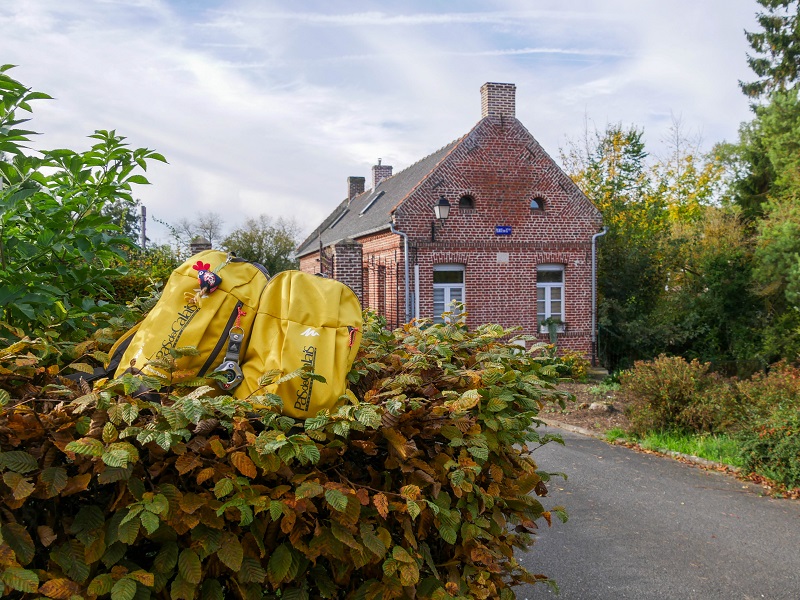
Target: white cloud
{"x": 260, "y": 109}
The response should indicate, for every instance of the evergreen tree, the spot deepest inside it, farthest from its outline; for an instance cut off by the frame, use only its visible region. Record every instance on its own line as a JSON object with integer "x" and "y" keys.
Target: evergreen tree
{"x": 777, "y": 48}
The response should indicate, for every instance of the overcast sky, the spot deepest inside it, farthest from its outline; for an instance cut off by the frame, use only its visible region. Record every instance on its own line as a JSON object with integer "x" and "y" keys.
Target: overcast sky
{"x": 265, "y": 107}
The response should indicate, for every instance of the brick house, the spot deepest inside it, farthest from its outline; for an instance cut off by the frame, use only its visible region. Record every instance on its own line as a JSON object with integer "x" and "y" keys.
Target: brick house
{"x": 516, "y": 247}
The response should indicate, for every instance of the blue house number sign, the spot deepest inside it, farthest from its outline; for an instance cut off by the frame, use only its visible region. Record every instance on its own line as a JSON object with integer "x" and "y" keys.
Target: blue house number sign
{"x": 502, "y": 229}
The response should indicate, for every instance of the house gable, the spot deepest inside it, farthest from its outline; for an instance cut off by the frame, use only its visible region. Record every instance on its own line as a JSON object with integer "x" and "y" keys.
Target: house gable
{"x": 502, "y": 168}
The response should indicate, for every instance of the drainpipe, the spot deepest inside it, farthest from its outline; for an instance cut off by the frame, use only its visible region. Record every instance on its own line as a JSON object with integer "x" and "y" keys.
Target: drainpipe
{"x": 594, "y": 294}
{"x": 405, "y": 259}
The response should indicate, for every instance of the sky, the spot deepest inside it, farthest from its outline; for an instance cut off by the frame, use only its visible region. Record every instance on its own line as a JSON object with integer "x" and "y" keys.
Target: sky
{"x": 266, "y": 107}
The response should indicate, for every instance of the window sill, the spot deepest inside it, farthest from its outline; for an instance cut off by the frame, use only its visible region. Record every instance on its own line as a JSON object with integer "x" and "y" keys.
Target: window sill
{"x": 559, "y": 329}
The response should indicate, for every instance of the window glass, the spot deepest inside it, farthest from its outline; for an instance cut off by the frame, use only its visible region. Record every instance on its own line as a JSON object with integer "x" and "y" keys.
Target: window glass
{"x": 548, "y": 276}
{"x": 466, "y": 202}
{"x": 448, "y": 287}
{"x": 448, "y": 277}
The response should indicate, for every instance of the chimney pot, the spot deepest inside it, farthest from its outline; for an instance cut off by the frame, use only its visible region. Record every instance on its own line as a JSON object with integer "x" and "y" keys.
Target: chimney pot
{"x": 379, "y": 173}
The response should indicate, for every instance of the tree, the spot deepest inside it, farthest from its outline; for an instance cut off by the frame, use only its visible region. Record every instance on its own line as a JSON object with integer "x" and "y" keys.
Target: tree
{"x": 59, "y": 248}
{"x": 777, "y": 48}
{"x": 207, "y": 224}
{"x": 612, "y": 171}
{"x": 267, "y": 242}
{"x": 643, "y": 201}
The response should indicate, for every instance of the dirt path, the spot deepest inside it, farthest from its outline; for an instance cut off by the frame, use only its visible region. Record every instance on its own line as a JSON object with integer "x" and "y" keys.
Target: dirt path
{"x": 589, "y": 409}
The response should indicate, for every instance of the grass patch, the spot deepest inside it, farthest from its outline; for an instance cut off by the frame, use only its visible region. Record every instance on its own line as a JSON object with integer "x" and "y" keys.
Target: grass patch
{"x": 616, "y": 433}
{"x": 718, "y": 448}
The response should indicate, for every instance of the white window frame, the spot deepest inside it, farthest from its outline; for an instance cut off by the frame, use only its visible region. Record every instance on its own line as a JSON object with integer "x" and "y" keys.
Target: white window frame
{"x": 546, "y": 289}
{"x": 448, "y": 288}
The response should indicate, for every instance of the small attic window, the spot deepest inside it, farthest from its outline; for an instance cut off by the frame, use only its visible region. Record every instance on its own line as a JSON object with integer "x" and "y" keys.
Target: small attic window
{"x": 371, "y": 202}
{"x": 339, "y": 218}
{"x": 466, "y": 202}
{"x": 537, "y": 204}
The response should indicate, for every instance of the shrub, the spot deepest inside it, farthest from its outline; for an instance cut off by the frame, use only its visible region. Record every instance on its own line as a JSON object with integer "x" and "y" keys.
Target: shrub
{"x": 59, "y": 249}
{"x": 772, "y": 447}
{"x": 670, "y": 393}
{"x": 420, "y": 485}
{"x": 576, "y": 365}
{"x": 765, "y": 393}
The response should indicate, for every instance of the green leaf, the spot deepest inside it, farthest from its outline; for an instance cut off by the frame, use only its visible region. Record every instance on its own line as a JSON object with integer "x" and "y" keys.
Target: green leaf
{"x": 231, "y": 552}
{"x": 309, "y": 489}
{"x": 129, "y": 530}
{"x": 54, "y": 480}
{"x": 87, "y": 446}
{"x": 159, "y": 505}
{"x": 182, "y": 589}
{"x": 18, "y": 539}
{"x": 167, "y": 558}
{"x": 21, "y": 580}
{"x": 101, "y": 585}
{"x": 189, "y": 566}
{"x": 279, "y": 563}
{"x": 18, "y": 461}
{"x": 448, "y": 534}
{"x": 129, "y": 412}
{"x": 124, "y": 589}
{"x": 251, "y": 571}
{"x": 71, "y": 558}
{"x": 311, "y": 452}
{"x": 5, "y": 397}
{"x": 150, "y": 521}
{"x": 223, "y": 487}
{"x": 88, "y": 519}
{"x": 275, "y": 509}
{"x": 373, "y": 543}
{"x": 211, "y": 590}
{"x": 336, "y": 499}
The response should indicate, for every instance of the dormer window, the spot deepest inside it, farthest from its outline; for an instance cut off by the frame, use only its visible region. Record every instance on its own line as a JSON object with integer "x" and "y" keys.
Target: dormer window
{"x": 466, "y": 202}
{"x": 537, "y": 204}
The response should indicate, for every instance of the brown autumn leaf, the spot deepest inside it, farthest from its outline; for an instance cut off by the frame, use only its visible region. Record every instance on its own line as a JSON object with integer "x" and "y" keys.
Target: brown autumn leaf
{"x": 61, "y": 589}
{"x": 77, "y": 484}
{"x": 381, "y": 504}
{"x": 204, "y": 475}
{"x": 244, "y": 464}
{"x": 46, "y": 535}
{"x": 187, "y": 462}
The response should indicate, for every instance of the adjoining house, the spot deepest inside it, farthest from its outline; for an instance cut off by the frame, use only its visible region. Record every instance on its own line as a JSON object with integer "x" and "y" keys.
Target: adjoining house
{"x": 515, "y": 247}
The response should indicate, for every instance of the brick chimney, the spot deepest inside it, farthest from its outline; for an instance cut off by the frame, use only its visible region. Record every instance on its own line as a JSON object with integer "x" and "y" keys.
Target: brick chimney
{"x": 379, "y": 173}
{"x": 355, "y": 186}
{"x": 498, "y": 100}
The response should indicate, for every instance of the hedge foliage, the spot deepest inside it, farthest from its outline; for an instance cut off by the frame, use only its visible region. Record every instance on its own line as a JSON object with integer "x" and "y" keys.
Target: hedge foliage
{"x": 763, "y": 411}
{"x": 420, "y": 485}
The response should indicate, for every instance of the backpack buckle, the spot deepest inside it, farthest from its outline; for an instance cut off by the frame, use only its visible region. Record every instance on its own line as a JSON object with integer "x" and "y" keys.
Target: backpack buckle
{"x": 230, "y": 366}
{"x": 233, "y": 374}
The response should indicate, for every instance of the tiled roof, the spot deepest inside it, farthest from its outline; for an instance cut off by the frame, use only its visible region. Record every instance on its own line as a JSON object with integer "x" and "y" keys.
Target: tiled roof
{"x": 372, "y": 210}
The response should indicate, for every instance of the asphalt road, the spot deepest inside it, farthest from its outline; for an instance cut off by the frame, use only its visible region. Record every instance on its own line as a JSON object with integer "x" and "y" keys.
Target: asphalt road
{"x": 647, "y": 527}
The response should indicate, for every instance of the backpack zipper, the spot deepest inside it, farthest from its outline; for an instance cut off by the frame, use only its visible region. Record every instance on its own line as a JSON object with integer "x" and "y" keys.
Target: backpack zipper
{"x": 223, "y": 340}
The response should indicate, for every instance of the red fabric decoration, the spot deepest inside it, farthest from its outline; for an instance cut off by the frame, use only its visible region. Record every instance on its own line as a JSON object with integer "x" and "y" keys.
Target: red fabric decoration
{"x": 201, "y": 266}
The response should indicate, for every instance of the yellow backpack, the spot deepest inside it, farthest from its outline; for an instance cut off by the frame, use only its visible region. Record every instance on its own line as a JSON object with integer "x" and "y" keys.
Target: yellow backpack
{"x": 303, "y": 320}
{"x": 209, "y": 303}
{"x": 244, "y": 325}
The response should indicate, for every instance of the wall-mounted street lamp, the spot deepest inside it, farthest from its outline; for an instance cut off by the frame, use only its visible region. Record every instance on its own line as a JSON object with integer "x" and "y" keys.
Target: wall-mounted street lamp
{"x": 442, "y": 210}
